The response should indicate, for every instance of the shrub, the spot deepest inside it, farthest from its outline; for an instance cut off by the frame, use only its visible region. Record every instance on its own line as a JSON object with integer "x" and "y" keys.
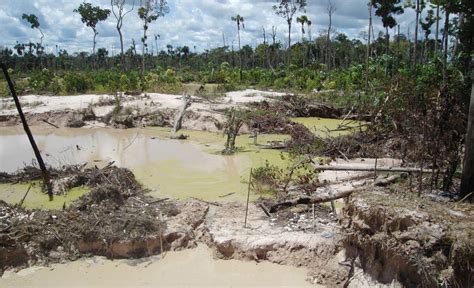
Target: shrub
{"x": 77, "y": 83}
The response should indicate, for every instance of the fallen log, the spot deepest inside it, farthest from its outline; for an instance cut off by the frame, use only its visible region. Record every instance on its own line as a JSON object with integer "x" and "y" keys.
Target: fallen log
{"x": 314, "y": 200}
{"x": 389, "y": 180}
{"x": 372, "y": 169}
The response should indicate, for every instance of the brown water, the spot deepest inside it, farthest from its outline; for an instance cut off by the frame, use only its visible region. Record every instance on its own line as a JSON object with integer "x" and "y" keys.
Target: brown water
{"x": 186, "y": 268}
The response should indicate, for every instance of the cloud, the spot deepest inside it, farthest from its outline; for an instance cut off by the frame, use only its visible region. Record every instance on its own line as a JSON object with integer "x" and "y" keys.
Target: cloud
{"x": 201, "y": 24}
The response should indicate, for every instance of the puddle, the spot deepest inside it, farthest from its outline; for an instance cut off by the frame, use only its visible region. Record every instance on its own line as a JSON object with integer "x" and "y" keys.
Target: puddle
{"x": 186, "y": 268}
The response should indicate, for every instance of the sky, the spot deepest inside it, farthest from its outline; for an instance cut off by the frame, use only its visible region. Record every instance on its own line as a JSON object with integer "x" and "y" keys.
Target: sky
{"x": 198, "y": 24}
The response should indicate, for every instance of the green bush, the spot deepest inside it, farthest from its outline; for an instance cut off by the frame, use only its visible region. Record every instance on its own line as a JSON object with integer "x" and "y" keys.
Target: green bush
{"x": 77, "y": 83}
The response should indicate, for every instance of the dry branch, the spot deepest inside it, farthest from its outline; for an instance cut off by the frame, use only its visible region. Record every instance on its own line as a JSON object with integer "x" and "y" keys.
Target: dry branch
{"x": 314, "y": 200}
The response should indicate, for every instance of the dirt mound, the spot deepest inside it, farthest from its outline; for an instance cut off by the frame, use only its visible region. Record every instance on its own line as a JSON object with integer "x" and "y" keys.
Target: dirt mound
{"x": 416, "y": 241}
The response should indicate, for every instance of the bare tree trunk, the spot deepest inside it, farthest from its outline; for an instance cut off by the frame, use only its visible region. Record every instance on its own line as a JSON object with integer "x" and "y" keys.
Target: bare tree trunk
{"x": 368, "y": 47}
{"x": 416, "y": 32}
{"x": 143, "y": 53}
{"x": 437, "y": 29}
{"x": 467, "y": 179}
{"x": 328, "y": 38}
{"x": 187, "y": 101}
{"x": 331, "y": 8}
{"x": 93, "y": 46}
{"x": 122, "y": 54}
{"x": 446, "y": 46}
{"x": 289, "y": 44}
{"x": 240, "y": 54}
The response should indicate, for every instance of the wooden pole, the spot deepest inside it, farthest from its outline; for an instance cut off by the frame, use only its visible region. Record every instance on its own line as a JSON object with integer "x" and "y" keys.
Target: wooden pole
{"x": 248, "y": 198}
{"x": 44, "y": 171}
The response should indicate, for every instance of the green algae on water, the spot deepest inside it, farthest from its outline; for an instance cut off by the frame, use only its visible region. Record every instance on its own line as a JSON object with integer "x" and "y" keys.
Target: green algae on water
{"x": 324, "y": 127}
{"x": 36, "y": 199}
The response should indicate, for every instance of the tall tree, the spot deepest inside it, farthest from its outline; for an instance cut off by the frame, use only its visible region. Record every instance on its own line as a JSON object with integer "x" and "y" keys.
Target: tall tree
{"x": 418, "y": 10}
{"x": 287, "y": 9}
{"x": 119, "y": 11}
{"x": 150, "y": 11}
{"x": 91, "y": 16}
{"x": 331, "y": 8}
{"x": 385, "y": 9}
{"x": 239, "y": 20}
{"x": 33, "y": 20}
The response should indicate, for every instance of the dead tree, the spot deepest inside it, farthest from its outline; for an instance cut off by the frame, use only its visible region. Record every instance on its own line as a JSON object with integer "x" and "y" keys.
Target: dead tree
{"x": 232, "y": 127}
{"x": 331, "y": 8}
{"x": 178, "y": 121}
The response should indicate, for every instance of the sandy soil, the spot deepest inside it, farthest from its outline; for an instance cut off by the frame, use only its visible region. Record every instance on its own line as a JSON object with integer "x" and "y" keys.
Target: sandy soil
{"x": 43, "y": 104}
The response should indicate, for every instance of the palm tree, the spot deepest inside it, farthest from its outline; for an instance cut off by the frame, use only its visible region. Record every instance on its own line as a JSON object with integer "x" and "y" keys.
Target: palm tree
{"x": 239, "y": 20}
{"x": 303, "y": 19}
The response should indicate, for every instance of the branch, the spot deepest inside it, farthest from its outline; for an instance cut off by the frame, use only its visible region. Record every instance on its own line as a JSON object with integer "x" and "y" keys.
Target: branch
{"x": 314, "y": 200}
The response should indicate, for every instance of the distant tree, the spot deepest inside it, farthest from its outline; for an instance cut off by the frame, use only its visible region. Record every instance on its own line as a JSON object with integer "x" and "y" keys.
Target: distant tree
{"x": 418, "y": 5}
{"x": 33, "y": 20}
{"x": 150, "y": 11}
{"x": 102, "y": 54}
{"x": 118, "y": 9}
{"x": 426, "y": 26}
{"x": 385, "y": 9}
{"x": 303, "y": 19}
{"x": 287, "y": 9}
{"x": 239, "y": 20}
{"x": 91, "y": 16}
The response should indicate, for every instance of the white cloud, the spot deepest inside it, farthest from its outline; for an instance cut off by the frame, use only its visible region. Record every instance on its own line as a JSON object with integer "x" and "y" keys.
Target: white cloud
{"x": 193, "y": 23}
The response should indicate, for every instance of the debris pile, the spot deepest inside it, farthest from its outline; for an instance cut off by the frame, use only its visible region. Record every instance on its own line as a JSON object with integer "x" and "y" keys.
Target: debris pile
{"x": 116, "y": 219}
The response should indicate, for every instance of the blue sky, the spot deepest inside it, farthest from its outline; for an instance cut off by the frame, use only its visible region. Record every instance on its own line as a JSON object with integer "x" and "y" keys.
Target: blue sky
{"x": 193, "y": 23}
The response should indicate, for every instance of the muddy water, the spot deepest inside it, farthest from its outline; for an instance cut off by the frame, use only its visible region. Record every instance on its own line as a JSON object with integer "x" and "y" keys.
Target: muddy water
{"x": 179, "y": 269}
{"x": 169, "y": 168}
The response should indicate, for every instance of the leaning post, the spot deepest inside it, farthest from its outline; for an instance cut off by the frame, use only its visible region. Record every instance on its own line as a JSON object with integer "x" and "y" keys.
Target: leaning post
{"x": 44, "y": 171}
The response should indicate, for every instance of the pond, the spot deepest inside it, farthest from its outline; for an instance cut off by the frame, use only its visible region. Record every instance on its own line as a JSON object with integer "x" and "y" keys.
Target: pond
{"x": 178, "y": 169}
